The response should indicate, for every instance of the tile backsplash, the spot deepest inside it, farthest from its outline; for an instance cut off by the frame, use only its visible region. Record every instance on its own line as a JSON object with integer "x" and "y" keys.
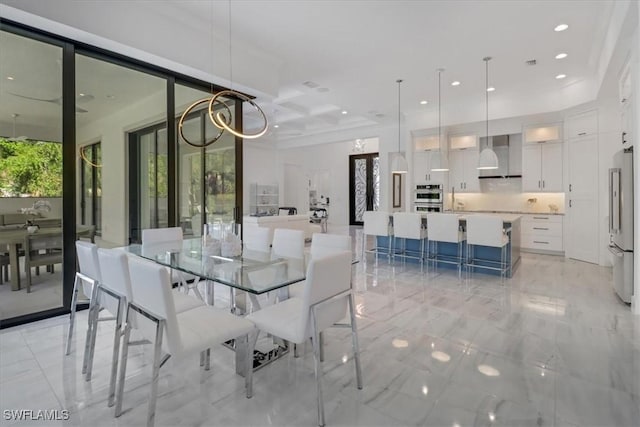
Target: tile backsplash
{"x": 505, "y": 195}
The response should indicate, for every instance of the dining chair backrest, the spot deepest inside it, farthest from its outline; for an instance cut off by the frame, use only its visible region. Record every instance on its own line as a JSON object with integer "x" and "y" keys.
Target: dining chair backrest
{"x": 151, "y": 291}
{"x": 257, "y": 238}
{"x": 443, "y": 227}
{"x": 485, "y": 230}
{"x": 114, "y": 267}
{"x": 376, "y": 223}
{"x": 161, "y": 235}
{"x": 196, "y": 224}
{"x": 88, "y": 264}
{"x": 326, "y": 276}
{"x": 323, "y": 244}
{"x": 288, "y": 243}
{"x": 407, "y": 225}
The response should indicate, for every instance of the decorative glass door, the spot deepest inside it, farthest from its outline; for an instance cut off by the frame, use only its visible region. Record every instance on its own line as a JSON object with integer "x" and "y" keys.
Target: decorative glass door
{"x": 364, "y": 186}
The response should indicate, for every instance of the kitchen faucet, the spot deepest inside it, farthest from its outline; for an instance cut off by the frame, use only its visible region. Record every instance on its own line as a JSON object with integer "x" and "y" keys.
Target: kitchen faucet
{"x": 453, "y": 199}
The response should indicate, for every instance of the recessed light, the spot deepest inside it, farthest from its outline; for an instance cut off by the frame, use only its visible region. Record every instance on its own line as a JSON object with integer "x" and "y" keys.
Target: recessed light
{"x": 276, "y": 126}
{"x": 9, "y": 77}
{"x": 456, "y": 83}
{"x": 423, "y": 102}
{"x": 561, "y": 55}
{"x": 561, "y": 27}
{"x": 491, "y": 89}
{"x": 344, "y": 111}
{"x": 561, "y": 76}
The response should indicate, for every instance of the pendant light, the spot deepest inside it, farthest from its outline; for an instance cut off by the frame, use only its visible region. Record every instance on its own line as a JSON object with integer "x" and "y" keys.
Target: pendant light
{"x": 223, "y": 117}
{"x": 439, "y": 161}
{"x": 488, "y": 158}
{"x": 399, "y": 163}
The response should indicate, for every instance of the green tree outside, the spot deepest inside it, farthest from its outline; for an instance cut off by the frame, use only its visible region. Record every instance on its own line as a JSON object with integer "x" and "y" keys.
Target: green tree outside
{"x": 32, "y": 168}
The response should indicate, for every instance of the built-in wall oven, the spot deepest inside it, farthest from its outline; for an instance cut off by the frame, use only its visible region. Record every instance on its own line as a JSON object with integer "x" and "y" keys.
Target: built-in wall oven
{"x": 428, "y": 198}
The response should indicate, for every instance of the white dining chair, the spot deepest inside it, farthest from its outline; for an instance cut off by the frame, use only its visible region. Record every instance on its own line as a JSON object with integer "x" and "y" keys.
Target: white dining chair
{"x": 407, "y": 225}
{"x": 168, "y": 236}
{"x": 257, "y": 239}
{"x": 486, "y": 230}
{"x": 327, "y": 294}
{"x": 445, "y": 228}
{"x": 376, "y": 224}
{"x": 113, "y": 292}
{"x": 288, "y": 244}
{"x": 87, "y": 277}
{"x": 177, "y": 335}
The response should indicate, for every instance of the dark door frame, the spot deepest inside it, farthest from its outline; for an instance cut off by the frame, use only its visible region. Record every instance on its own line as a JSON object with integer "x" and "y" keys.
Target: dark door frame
{"x": 369, "y": 190}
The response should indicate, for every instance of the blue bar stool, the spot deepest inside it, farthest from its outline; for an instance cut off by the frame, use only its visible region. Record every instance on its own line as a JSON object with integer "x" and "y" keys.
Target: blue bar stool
{"x": 376, "y": 223}
{"x": 409, "y": 226}
{"x": 486, "y": 230}
{"x": 445, "y": 228}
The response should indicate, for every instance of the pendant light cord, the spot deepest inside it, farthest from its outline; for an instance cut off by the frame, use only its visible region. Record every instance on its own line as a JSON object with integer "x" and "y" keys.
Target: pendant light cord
{"x": 230, "y": 61}
{"x": 486, "y": 61}
{"x": 399, "y": 81}
{"x": 439, "y": 110}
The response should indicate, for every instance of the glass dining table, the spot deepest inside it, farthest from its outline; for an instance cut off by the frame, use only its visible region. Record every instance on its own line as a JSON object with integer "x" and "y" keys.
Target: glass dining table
{"x": 253, "y": 273}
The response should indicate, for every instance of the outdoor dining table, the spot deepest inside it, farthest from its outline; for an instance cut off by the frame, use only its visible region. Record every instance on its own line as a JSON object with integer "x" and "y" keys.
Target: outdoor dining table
{"x": 11, "y": 238}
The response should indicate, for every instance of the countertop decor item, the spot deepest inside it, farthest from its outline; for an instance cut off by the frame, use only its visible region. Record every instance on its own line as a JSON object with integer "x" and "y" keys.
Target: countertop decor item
{"x": 488, "y": 158}
{"x": 399, "y": 163}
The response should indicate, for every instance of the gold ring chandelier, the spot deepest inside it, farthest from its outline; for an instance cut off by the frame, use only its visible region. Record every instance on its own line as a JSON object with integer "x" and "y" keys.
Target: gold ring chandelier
{"x": 222, "y": 119}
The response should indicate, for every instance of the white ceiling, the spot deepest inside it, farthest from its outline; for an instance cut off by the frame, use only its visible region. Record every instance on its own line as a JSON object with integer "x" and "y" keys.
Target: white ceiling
{"x": 357, "y": 50}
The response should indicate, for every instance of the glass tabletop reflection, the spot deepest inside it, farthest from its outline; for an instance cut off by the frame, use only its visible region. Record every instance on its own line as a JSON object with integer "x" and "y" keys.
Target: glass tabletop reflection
{"x": 254, "y": 272}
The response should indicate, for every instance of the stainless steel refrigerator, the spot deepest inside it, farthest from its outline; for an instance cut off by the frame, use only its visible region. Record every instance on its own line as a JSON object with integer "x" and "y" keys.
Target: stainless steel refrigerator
{"x": 621, "y": 222}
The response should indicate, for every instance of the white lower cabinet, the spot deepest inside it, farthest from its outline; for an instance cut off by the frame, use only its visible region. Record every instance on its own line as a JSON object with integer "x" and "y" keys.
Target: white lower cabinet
{"x": 541, "y": 233}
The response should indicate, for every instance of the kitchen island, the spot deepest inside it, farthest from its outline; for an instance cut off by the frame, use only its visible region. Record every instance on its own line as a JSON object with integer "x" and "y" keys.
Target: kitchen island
{"x": 511, "y": 225}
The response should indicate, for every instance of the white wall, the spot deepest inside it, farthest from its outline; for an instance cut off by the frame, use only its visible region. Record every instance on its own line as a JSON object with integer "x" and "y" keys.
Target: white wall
{"x": 111, "y": 131}
{"x": 259, "y": 166}
{"x": 329, "y": 165}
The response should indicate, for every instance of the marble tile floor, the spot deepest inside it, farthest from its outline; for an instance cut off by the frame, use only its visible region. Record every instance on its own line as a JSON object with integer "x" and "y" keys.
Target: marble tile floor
{"x": 553, "y": 347}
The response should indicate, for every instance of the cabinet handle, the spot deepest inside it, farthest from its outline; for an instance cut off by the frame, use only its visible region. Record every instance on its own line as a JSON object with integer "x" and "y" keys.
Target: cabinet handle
{"x": 582, "y": 134}
{"x": 569, "y": 187}
{"x": 624, "y": 141}
{"x": 540, "y": 217}
{"x": 543, "y": 183}
{"x": 539, "y": 241}
{"x": 540, "y": 228}
{"x": 539, "y": 184}
{"x": 569, "y": 203}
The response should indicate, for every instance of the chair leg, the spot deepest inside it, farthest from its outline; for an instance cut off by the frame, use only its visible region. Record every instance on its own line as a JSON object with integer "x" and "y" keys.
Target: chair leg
{"x": 155, "y": 374}
{"x": 321, "y": 344}
{"x": 354, "y": 342}
{"x": 116, "y": 350}
{"x": 315, "y": 341}
{"x": 92, "y": 322}
{"x": 90, "y": 347}
{"x": 123, "y": 365}
{"x": 252, "y": 338}
{"x": 72, "y": 315}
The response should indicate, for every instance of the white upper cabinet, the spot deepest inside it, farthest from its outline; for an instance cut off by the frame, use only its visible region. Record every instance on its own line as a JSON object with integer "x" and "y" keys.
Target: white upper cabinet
{"x": 463, "y": 171}
{"x": 422, "y": 169}
{"x": 460, "y": 142}
{"x": 583, "y": 124}
{"x": 542, "y": 168}
{"x": 543, "y": 133}
{"x": 425, "y": 143}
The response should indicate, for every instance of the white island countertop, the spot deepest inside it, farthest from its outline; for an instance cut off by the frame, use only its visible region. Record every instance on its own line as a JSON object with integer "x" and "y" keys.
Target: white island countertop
{"x": 508, "y": 218}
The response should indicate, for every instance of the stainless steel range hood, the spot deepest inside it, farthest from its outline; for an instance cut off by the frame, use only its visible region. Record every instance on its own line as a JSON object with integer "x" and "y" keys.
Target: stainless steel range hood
{"x": 508, "y": 148}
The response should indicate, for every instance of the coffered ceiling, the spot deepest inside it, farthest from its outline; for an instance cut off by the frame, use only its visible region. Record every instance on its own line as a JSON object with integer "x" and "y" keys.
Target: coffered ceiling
{"x": 309, "y": 61}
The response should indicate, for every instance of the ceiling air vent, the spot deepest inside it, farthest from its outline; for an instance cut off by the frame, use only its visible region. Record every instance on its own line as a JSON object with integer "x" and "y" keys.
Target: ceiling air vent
{"x": 310, "y": 84}
{"x": 531, "y": 62}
